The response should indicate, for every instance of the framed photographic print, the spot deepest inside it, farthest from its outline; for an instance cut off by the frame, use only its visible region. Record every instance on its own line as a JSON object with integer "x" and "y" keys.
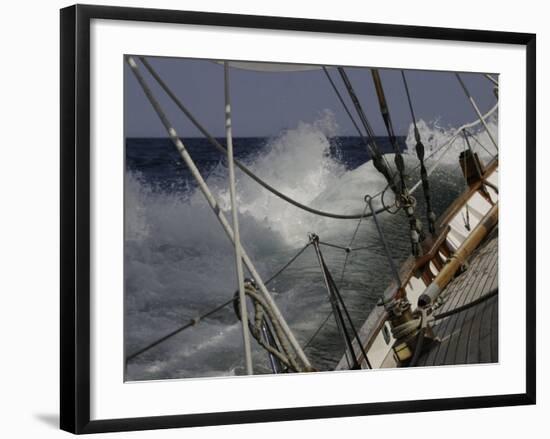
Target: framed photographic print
{"x": 271, "y": 218}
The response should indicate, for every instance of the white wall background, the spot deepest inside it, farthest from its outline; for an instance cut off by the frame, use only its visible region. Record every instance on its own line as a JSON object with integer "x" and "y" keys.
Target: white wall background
{"x": 29, "y": 248}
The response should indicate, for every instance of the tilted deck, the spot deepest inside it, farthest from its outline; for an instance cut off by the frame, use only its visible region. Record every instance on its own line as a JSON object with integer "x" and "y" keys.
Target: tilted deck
{"x": 467, "y": 337}
{"x": 470, "y": 336}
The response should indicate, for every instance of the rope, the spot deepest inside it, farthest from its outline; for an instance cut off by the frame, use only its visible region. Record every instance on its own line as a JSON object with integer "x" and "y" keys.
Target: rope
{"x": 485, "y": 181}
{"x": 339, "y": 310}
{"x": 411, "y": 326}
{"x": 420, "y": 150}
{"x": 303, "y": 249}
{"x": 235, "y": 218}
{"x": 348, "y": 248}
{"x": 421, "y": 323}
{"x": 389, "y": 207}
{"x": 318, "y": 330}
{"x": 384, "y": 110}
{"x": 335, "y": 309}
{"x": 191, "y": 323}
{"x": 476, "y": 109}
{"x": 341, "y": 99}
{"x": 446, "y": 146}
{"x": 339, "y": 297}
{"x": 415, "y": 226}
{"x": 467, "y": 306}
{"x": 276, "y": 365}
{"x": 418, "y": 347}
{"x": 238, "y": 163}
{"x": 373, "y": 213}
{"x": 261, "y": 307}
{"x": 347, "y": 110}
{"x": 406, "y": 329}
{"x": 391, "y": 262}
{"x": 339, "y": 247}
{"x": 478, "y": 142}
{"x": 378, "y": 160}
{"x": 195, "y": 321}
{"x": 357, "y": 227}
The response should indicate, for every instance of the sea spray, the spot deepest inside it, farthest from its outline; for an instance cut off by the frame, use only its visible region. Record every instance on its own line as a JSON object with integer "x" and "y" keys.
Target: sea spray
{"x": 179, "y": 263}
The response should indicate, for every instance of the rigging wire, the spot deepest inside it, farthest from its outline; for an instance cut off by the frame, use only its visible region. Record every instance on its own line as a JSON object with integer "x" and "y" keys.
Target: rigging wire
{"x": 354, "y": 331}
{"x": 492, "y": 79}
{"x": 421, "y": 324}
{"x": 341, "y": 99}
{"x": 191, "y": 323}
{"x": 195, "y": 321}
{"x": 405, "y": 199}
{"x": 282, "y": 350}
{"x": 446, "y": 146}
{"x": 373, "y": 213}
{"x": 207, "y": 314}
{"x": 378, "y": 160}
{"x": 340, "y": 310}
{"x": 238, "y": 163}
{"x": 184, "y": 154}
{"x": 476, "y": 109}
{"x": 466, "y": 306}
{"x": 316, "y": 333}
{"x": 339, "y": 247}
{"x": 264, "y": 184}
{"x": 478, "y": 142}
{"x": 303, "y": 249}
{"x": 348, "y": 250}
{"x": 420, "y": 151}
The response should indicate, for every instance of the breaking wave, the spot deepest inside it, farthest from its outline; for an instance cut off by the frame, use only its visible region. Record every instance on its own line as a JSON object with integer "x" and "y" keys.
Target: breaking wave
{"x": 179, "y": 263}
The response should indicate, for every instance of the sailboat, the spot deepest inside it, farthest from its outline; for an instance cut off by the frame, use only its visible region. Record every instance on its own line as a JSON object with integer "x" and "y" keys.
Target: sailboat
{"x": 442, "y": 304}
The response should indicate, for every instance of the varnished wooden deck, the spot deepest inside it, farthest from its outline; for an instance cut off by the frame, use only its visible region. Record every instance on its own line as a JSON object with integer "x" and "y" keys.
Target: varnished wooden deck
{"x": 470, "y": 336}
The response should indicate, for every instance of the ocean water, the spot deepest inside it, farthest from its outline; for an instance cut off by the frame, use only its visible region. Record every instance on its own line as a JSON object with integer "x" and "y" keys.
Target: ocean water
{"x": 179, "y": 263}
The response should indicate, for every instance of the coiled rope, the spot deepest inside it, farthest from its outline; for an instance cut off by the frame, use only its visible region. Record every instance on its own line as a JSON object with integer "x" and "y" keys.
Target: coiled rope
{"x": 420, "y": 324}
{"x": 262, "y": 310}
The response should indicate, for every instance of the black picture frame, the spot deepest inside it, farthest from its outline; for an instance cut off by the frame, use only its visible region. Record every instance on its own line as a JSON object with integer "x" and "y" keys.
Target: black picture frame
{"x": 75, "y": 217}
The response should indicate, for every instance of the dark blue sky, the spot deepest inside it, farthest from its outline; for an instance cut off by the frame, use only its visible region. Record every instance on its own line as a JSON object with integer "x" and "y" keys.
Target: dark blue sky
{"x": 264, "y": 103}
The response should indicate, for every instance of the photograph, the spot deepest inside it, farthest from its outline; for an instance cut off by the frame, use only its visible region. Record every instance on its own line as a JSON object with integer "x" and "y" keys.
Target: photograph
{"x": 270, "y": 220}
{"x": 295, "y": 218}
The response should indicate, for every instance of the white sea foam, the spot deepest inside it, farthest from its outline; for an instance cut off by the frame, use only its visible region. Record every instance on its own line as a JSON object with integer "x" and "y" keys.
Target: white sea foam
{"x": 178, "y": 261}
{"x": 436, "y": 137}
